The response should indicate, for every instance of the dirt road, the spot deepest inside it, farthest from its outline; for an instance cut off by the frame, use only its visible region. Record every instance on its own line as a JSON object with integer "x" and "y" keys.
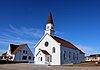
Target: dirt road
{"x": 25, "y": 66}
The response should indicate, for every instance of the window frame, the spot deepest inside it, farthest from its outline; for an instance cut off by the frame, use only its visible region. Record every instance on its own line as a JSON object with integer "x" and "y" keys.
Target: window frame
{"x": 24, "y": 58}
{"x": 29, "y": 57}
{"x": 53, "y": 50}
{"x": 23, "y": 51}
{"x": 46, "y": 44}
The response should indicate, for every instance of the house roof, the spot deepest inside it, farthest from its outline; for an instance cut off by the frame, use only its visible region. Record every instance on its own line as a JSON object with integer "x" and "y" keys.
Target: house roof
{"x": 95, "y": 55}
{"x": 66, "y": 43}
{"x": 50, "y": 21}
{"x": 15, "y": 48}
{"x": 4, "y": 53}
{"x": 45, "y": 52}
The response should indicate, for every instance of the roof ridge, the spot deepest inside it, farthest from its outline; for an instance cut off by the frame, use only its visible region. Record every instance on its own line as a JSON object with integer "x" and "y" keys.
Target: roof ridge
{"x": 19, "y": 47}
{"x": 66, "y": 43}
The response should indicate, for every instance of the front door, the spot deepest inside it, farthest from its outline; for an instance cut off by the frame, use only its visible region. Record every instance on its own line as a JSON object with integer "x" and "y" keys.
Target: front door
{"x": 47, "y": 60}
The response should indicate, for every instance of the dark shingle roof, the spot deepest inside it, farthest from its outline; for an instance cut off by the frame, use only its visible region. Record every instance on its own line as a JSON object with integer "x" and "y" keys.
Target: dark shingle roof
{"x": 66, "y": 43}
{"x": 50, "y": 21}
{"x": 45, "y": 52}
{"x": 15, "y": 48}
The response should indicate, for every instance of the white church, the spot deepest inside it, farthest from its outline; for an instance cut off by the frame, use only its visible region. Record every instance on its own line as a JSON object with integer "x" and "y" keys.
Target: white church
{"x": 52, "y": 50}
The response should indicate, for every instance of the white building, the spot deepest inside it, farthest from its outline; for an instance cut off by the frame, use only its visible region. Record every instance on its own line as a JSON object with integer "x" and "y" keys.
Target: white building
{"x": 20, "y": 53}
{"x": 94, "y": 57}
{"x": 56, "y": 51}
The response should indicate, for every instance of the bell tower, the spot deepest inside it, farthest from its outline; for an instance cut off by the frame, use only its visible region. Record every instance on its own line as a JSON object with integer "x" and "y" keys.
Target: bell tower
{"x": 50, "y": 26}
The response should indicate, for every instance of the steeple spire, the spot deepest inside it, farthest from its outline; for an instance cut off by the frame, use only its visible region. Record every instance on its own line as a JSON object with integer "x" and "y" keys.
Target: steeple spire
{"x": 50, "y": 26}
{"x": 50, "y": 21}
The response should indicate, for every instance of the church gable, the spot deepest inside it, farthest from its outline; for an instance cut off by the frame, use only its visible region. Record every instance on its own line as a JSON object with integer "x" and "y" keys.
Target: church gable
{"x": 46, "y": 41}
{"x": 50, "y": 46}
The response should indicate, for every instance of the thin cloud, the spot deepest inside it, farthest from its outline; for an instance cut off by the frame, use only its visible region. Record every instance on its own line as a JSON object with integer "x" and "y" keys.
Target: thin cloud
{"x": 20, "y": 35}
{"x": 26, "y": 31}
{"x": 87, "y": 49}
{"x": 58, "y": 33}
{"x": 2, "y": 51}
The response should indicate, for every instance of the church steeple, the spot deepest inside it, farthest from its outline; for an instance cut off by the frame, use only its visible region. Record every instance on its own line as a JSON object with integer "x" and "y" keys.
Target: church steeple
{"x": 50, "y": 26}
{"x": 50, "y": 21}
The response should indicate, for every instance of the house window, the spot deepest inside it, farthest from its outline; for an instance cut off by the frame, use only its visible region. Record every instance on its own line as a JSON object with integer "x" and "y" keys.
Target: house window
{"x": 46, "y": 44}
{"x": 53, "y": 50}
{"x": 11, "y": 57}
{"x": 41, "y": 58}
{"x": 24, "y": 58}
{"x": 29, "y": 57}
{"x": 23, "y": 51}
{"x": 64, "y": 55}
{"x": 26, "y": 52}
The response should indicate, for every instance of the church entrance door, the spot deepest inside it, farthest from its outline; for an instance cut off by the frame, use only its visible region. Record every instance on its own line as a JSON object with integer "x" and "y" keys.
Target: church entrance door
{"x": 47, "y": 60}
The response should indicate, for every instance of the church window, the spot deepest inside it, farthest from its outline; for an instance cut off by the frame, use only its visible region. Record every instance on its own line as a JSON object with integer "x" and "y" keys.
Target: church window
{"x": 41, "y": 58}
{"x": 73, "y": 56}
{"x": 52, "y": 28}
{"x": 47, "y": 27}
{"x": 46, "y": 44}
{"x": 69, "y": 55}
{"x": 64, "y": 55}
{"x": 53, "y": 50}
{"x": 77, "y": 56}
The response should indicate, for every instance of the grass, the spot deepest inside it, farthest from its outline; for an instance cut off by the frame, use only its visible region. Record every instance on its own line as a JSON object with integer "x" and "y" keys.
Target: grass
{"x": 92, "y": 63}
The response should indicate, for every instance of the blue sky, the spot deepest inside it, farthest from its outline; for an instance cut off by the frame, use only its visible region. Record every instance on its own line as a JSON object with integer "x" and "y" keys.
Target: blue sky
{"x": 77, "y": 21}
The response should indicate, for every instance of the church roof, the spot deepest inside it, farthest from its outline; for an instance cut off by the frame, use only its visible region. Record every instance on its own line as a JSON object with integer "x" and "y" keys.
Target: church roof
{"x": 66, "y": 43}
{"x": 15, "y": 48}
{"x": 45, "y": 52}
{"x": 50, "y": 21}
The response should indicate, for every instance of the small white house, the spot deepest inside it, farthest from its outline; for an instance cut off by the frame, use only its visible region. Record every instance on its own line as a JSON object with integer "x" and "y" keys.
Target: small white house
{"x": 20, "y": 53}
{"x": 53, "y": 50}
{"x": 93, "y": 57}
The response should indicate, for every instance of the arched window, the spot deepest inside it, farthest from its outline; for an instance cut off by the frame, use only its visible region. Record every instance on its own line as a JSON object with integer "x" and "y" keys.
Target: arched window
{"x": 41, "y": 58}
{"x": 53, "y": 50}
{"x": 47, "y": 27}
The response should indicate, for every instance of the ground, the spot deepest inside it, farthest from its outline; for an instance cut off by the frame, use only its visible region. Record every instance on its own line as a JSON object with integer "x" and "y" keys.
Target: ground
{"x": 26, "y": 66}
